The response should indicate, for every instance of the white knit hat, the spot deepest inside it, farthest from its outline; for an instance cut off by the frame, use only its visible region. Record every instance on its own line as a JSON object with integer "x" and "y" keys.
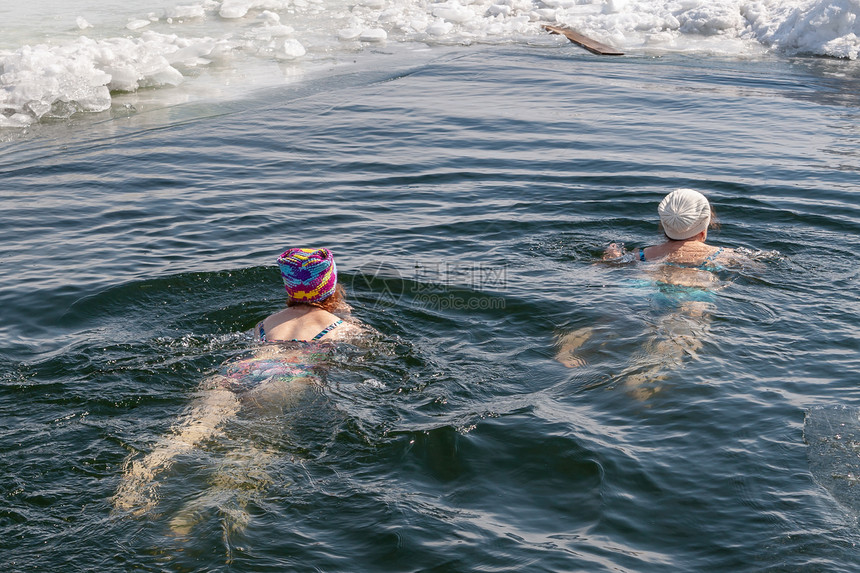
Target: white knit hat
{"x": 684, "y": 213}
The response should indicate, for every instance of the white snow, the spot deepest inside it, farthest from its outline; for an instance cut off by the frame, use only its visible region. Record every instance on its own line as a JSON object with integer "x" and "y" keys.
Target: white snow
{"x": 76, "y": 68}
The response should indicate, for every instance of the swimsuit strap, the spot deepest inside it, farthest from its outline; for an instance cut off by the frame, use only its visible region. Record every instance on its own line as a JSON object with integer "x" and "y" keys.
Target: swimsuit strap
{"x": 327, "y": 329}
{"x": 709, "y": 264}
{"x": 642, "y": 255}
{"x": 322, "y": 333}
{"x": 710, "y": 259}
{"x": 714, "y": 254}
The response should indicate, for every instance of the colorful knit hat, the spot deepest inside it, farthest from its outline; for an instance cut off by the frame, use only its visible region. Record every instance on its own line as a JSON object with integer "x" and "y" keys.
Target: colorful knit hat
{"x": 310, "y": 275}
{"x": 684, "y": 213}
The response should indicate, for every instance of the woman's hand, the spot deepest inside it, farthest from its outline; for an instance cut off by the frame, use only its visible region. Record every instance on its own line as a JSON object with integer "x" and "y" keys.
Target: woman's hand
{"x": 613, "y": 251}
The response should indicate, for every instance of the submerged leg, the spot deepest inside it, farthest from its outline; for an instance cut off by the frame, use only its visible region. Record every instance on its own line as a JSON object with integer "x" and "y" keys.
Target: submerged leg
{"x": 136, "y": 491}
{"x": 280, "y": 394}
{"x": 677, "y": 335}
{"x": 569, "y": 343}
{"x": 236, "y": 482}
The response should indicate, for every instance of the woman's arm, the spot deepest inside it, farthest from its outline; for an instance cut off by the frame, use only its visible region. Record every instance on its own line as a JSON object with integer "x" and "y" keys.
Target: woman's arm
{"x": 613, "y": 251}
{"x": 616, "y": 252}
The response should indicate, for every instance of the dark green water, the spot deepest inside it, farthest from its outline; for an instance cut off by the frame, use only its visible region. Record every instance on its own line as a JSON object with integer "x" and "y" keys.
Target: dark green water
{"x": 468, "y": 200}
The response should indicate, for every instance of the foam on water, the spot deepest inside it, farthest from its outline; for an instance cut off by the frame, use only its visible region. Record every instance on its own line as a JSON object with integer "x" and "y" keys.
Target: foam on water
{"x": 78, "y": 59}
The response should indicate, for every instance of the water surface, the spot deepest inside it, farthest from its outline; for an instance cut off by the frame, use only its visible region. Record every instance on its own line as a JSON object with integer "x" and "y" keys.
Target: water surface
{"x": 468, "y": 195}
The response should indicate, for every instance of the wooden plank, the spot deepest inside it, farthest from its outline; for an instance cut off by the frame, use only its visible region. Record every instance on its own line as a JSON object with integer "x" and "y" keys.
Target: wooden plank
{"x": 592, "y": 46}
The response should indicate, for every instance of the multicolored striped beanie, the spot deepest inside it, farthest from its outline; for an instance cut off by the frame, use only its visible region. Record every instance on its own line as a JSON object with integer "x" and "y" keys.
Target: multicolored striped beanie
{"x": 310, "y": 275}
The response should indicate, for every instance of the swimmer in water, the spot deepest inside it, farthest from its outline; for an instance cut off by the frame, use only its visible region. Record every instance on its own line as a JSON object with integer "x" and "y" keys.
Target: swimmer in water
{"x": 683, "y": 272}
{"x": 313, "y": 296}
{"x": 299, "y": 336}
{"x": 296, "y": 341}
{"x": 685, "y": 217}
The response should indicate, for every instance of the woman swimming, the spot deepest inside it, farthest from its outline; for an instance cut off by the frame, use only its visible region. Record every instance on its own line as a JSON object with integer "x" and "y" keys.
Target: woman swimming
{"x": 313, "y": 296}
{"x": 681, "y": 278}
{"x": 685, "y": 217}
{"x": 296, "y": 343}
{"x": 308, "y": 322}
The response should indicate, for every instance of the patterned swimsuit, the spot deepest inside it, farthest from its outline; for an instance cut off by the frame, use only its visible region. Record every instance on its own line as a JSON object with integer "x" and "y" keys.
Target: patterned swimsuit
{"x": 247, "y": 373}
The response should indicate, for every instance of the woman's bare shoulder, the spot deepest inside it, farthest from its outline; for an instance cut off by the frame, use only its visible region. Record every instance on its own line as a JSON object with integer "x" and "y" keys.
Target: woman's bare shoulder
{"x": 351, "y": 330}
